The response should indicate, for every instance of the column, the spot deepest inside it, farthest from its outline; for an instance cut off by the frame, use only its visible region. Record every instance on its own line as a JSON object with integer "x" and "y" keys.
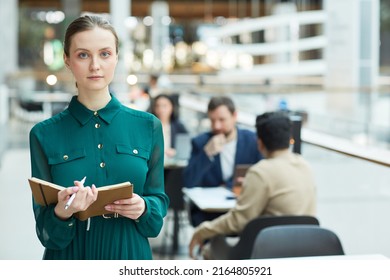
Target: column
{"x": 9, "y": 38}
{"x": 120, "y": 10}
{"x": 72, "y": 10}
{"x": 352, "y": 52}
{"x": 160, "y": 31}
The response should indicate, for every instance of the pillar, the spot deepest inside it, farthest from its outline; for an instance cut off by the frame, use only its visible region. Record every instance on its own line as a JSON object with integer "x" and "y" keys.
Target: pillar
{"x": 352, "y": 52}
{"x": 9, "y": 38}
{"x": 120, "y": 10}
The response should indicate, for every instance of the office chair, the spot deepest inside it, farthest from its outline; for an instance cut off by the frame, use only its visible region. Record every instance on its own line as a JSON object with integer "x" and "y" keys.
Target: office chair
{"x": 221, "y": 249}
{"x": 296, "y": 241}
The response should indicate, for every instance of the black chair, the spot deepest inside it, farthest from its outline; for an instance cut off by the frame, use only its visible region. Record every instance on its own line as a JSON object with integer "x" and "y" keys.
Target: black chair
{"x": 222, "y": 250}
{"x": 296, "y": 241}
{"x": 173, "y": 189}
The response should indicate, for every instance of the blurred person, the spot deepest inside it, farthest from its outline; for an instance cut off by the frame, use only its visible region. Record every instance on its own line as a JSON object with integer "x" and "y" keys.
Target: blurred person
{"x": 165, "y": 109}
{"x": 152, "y": 88}
{"x": 280, "y": 184}
{"x": 215, "y": 154}
{"x": 98, "y": 137}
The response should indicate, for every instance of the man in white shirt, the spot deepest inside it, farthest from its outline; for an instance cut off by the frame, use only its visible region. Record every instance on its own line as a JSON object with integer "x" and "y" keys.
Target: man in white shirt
{"x": 215, "y": 153}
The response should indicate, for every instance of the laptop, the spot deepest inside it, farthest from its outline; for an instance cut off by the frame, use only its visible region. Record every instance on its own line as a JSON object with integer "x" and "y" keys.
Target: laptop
{"x": 183, "y": 146}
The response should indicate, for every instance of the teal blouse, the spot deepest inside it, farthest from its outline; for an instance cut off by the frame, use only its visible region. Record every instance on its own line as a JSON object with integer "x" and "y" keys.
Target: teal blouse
{"x": 109, "y": 146}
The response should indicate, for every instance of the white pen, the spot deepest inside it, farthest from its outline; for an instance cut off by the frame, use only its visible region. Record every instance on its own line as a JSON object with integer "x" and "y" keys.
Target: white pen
{"x": 69, "y": 202}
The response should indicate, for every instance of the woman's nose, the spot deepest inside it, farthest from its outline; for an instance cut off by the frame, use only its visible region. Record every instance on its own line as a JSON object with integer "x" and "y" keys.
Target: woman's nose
{"x": 95, "y": 65}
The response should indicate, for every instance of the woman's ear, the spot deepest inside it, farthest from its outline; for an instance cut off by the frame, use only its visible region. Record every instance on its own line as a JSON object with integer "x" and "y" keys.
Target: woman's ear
{"x": 66, "y": 61}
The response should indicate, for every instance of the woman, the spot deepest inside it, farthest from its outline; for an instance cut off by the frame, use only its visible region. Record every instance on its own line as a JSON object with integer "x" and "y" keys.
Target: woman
{"x": 164, "y": 108}
{"x": 108, "y": 143}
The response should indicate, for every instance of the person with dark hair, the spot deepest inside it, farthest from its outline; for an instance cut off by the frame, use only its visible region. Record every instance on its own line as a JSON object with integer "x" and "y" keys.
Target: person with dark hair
{"x": 98, "y": 137}
{"x": 151, "y": 88}
{"x": 280, "y": 184}
{"x": 215, "y": 153}
{"x": 166, "y": 110}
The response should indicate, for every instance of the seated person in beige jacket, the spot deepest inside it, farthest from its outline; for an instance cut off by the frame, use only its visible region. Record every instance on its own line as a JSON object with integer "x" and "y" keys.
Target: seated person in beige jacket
{"x": 281, "y": 184}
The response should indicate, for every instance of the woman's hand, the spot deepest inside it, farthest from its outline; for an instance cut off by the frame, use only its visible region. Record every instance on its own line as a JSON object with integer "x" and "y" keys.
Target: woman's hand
{"x": 131, "y": 208}
{"x": 84, "y": 197}
{"x": 170, "y": 152}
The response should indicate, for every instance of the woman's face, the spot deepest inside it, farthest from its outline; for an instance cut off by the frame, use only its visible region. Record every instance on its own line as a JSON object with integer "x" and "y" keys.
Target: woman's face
{"x": 92, "y": 59}
{"x": 163, "y": 109}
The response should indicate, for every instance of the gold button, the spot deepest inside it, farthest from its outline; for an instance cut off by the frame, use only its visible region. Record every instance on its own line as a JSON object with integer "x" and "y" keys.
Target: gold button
{"x": 100, "y": 146}
{"x": 102, "y": 164}
{"x": 65, "y": 157}
{"x": 97, "y": 125}
{"x": 135, "y": 151}
{"x": 95, "y": 113}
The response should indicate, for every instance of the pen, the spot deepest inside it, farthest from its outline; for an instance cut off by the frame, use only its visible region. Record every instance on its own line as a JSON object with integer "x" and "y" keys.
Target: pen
{"x": 69, "y": 202}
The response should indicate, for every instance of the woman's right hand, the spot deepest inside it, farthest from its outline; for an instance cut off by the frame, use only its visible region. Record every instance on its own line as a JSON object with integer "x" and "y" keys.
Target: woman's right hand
{"x": 84, "y": 197}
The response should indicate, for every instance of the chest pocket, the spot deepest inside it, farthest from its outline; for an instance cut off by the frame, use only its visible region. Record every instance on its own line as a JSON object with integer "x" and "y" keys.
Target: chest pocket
{"x": 133, "y": 151}
{"x": 65, "y": 157}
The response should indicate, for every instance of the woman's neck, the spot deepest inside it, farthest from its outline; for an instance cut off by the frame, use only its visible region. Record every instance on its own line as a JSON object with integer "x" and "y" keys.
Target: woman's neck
{"x": 94, "y": 100}
{"x": 165, "y": 121}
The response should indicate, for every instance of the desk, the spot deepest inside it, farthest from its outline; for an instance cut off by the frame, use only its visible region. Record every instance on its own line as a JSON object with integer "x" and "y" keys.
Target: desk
{"x": 172, "y": 163}
{"x": 211, "y": 199}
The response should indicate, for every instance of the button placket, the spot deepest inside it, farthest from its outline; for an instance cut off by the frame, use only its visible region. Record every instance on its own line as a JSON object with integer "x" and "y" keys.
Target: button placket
{"x": 99, "y": 143}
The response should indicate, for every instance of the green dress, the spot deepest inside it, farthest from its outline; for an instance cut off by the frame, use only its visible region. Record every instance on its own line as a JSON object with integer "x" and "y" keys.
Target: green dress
{"x": 112, "y": 145}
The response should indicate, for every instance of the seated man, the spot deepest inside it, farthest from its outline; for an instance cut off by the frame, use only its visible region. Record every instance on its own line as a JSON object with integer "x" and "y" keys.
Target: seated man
{"x": 215, "y": 154}
{"x": 281, "y": 184}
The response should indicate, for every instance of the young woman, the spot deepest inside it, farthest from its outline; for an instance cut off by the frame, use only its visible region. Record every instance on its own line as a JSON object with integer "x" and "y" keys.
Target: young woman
{"x": 108, "y": 143}
{"x": 163, "y": 107}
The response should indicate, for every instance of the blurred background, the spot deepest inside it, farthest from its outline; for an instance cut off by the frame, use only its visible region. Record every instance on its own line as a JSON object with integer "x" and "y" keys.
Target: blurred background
{"x": 324, "y": 61}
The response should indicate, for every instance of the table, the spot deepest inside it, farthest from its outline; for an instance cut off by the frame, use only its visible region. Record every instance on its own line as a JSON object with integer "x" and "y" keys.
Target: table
{"x": 211, "y": 199}
{"x": 339, "y": 257}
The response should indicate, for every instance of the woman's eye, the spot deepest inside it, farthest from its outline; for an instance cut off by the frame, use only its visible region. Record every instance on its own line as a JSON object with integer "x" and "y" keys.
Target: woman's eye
{"x": 83, "y": 55}
{"x": 105, "y": 54}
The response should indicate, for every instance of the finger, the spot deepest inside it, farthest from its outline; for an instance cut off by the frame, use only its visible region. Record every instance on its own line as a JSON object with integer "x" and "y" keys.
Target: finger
{"x": 131, "y": 201}
{"x": 95, "y": 191}
{"x": 78, "y": 184}
{"x": 72, "y": 190}
{"x": 192, "y": 248}
{"x": 67, "y": 192}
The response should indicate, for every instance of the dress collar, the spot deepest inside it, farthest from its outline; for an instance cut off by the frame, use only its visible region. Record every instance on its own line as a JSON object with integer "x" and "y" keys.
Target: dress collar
{"x": 82, "y": 114}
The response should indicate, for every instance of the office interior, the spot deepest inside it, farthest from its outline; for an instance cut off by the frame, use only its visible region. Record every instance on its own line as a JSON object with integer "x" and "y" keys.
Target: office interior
{"x": 325, "y": 61}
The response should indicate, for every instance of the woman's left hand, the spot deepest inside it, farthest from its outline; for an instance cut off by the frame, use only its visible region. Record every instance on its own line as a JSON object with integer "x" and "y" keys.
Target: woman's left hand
{"x": 170, "y": 152}
{"x": 131, "y": 208}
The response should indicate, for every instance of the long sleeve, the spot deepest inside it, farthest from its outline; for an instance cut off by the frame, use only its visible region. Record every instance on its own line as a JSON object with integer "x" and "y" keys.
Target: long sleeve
{"x": 52, "y": 232}
{"x": 150, "y": 223}
{"x": 250, "y": 204}
{"x": 198, "y": 166}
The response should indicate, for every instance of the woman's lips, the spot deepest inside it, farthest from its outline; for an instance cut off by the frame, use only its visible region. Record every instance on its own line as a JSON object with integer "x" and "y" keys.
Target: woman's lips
{"x": 95, "y": 77}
